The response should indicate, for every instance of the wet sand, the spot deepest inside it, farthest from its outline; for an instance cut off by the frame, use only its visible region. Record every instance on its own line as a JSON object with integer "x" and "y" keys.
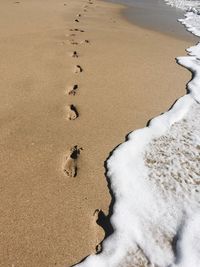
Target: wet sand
{"x": 126, "y": 79}
{"x": 157, "y": 16}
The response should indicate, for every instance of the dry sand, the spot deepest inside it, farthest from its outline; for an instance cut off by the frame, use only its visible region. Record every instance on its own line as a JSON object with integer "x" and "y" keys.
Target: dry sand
{"x": 128, "y": 76}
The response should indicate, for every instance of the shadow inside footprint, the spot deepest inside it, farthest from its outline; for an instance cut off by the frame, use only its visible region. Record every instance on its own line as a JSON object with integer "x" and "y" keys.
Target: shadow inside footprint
{"x": 75, "y": 54}
{"x": 85, "y": 42}
{"x": 103, "y": 221}
{"x": 70, "y": 167}
{"x": 72, "y": 42}
{"x": 72, "y": 112}
{"x": 76, "y": 152}
{"x": 76, "y": 30}
{"x": 78, "y": 69}
{"x": 72, "y": 89}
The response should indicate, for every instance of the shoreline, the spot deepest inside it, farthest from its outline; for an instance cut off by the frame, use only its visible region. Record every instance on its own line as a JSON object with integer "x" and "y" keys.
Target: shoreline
{"x": 156, "y": 16}
{"x": 49, "y": 217}
{"x": 158, "y": 174}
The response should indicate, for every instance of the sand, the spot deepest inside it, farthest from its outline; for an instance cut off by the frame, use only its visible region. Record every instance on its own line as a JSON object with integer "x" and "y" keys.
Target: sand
{"x": 128, "y": 76}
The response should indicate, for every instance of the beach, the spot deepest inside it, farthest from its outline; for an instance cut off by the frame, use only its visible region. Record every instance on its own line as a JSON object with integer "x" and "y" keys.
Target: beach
{"x": 156, "y": 15}
{"x": 123, "y": 79}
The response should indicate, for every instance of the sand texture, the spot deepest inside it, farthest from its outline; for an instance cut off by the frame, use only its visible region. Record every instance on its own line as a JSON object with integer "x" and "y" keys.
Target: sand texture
{"x": 75, "y": 79}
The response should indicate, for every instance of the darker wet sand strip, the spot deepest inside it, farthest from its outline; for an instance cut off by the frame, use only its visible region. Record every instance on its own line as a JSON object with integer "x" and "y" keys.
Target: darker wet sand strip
{"x": 155, "y": 15}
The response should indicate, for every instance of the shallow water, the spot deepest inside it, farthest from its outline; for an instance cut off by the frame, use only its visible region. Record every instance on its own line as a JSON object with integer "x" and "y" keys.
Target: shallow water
{"x": 155, "y": 15}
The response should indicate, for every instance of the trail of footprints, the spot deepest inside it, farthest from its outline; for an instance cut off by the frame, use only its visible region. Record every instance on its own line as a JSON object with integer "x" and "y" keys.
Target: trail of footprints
{"x": 70, "y": 164}
{"x": 70, "y": 161}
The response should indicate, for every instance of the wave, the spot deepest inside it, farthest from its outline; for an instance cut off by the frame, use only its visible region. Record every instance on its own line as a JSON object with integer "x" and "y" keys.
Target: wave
{"x": 155, "y": 179}
{"x": 186, "y": 5}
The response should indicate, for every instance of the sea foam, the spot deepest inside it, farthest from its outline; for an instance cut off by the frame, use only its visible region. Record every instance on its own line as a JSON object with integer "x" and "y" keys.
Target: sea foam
{"x": 155, "y": 177}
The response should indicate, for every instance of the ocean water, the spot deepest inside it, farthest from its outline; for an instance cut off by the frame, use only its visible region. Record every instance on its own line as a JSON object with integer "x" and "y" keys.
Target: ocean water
{"x": 155, "y": 178}
{"x": 155, "y": 15}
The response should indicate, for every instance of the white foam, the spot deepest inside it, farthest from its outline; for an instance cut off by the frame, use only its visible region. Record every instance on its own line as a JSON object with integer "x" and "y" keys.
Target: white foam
{"x": 189, "y": 244}
{"x": 155, "y": 178}
{"x": 184, "y": 4}
{"x": 192, "y": 22}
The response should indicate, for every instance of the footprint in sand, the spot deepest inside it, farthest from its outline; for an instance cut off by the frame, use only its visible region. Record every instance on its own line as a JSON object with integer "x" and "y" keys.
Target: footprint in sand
{"x": 98, "y": 247}
{"x": 85, "y": 42}
{"x": 76, "y": 20}
{"x": 78, "y": 69}
{"x": 76, "y": 30}
{"x": 72, "y": 112}
{"x": 104, "y": 222}
{"x": 75, "y": 54}
{"x": 70, "y": 164}
{"x": 72, "y": 42}
{"x": 72, "y": 35}
{"x": 79, "y": 15}
{"x": 72, "y": 89}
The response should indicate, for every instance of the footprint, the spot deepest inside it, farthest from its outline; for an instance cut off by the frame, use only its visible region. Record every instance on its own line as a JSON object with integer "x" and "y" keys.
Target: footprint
{"x": 104, "y": 221}
{"x": 76, "y": 20}
{"x": 79, "y": 15}
{"x": 70, "y": 165}
{"x": 72, "y": 112}
{"x": 78, "y": 69}
{"x": 98, "y": 247}
{"x": 76, "y": 30}
{"x": 72, "y": 89}
{"x": 85, "y": 41}
{"x": 73, "y": 42}
{"x": 75, "y": 54}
